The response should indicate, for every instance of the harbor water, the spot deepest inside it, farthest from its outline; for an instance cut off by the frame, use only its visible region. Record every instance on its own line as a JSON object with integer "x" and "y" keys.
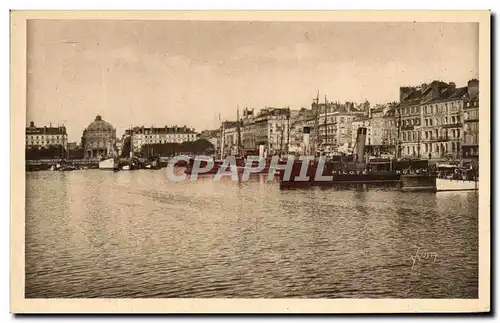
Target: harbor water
{"x": 135, "y": 234}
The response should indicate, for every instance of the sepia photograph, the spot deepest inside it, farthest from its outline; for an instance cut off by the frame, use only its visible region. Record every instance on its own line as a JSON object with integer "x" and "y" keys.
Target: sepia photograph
{"x": 232, "y": 156}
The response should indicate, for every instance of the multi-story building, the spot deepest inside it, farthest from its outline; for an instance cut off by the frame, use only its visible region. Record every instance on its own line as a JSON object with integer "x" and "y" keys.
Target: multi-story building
{"x": 334, "y": 123}
{"x": 299, "y": 119}
{"x": 99, "y": 139}
{"x": 231, "y": 139}
{"x": 470, "y": 145}
{"x": 381, "y": 131}
{"x": 408, "y": 121}
{"x": 46, "y": 136}
{"x": 160, "y": 135}
{"x": 431, "y": 119}
{"x": 269, "y": 128}
{"x": 248, "y": 131}
{"x": 442, "y": 126}
{"x": 390, "y": 129}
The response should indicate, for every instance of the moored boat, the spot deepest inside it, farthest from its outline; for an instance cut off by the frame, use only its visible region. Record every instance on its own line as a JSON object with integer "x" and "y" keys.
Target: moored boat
{"x": 445, "y": 184}
{"x": 109, "y": 164}
{"x": 418, "y": 182}
{"x": 455, "y": 178}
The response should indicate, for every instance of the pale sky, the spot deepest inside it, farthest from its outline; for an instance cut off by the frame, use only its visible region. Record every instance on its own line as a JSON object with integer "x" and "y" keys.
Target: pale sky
{"x": 186, "y": 72}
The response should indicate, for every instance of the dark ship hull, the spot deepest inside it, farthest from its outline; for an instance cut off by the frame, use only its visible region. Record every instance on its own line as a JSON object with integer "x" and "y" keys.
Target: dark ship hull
{"x": 336, "y": 174}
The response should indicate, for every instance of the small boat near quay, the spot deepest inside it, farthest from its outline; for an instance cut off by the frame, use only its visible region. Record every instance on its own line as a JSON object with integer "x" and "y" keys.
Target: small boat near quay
{"x": 63, "y": 167}
{"x": 413, "y": 182}
{"x": 109, "y": 164}
{"x": 456, "y": 178}
{"x": 444, "y": 184}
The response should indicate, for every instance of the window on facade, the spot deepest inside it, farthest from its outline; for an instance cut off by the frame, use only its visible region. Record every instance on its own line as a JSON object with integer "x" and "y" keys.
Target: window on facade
{"x": 341, "y": 119}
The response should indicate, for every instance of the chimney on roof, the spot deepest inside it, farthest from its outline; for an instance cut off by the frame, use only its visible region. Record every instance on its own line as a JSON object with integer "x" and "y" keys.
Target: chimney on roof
{"x": 404, "y": 92}
{"x": 32, "y": 124}
{"x": 473, "y": 88}
{"x": 435, "y": 88}
{"x": 452, "y": 87}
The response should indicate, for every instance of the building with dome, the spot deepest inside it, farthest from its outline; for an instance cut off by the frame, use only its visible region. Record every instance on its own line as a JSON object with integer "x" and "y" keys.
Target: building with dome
{"x": 99, "y": 139}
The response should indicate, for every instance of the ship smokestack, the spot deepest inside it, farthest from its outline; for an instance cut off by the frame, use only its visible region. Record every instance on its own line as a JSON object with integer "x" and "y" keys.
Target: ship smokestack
{"x": 305, "y": 139}
{"x": 360, "y": 144}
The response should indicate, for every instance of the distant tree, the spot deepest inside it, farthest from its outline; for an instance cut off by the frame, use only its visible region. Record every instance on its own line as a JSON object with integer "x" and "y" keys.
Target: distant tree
{"x": 170, "y": 149}
{"x": 49, "y": 152}
{"x": 76, "y": 153}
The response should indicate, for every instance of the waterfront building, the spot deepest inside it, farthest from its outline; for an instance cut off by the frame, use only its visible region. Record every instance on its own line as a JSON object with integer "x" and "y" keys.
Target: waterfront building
{"x": 160, "y": 135}
{"x": 269, "y": 128}
{"x": 381, "y": 132}
{"x": 299, "y": 119}
{"x": 389, "y": 129}
{"x": 98, "y": 139}
{"x": 334, "y": 124}
{"x": 46, "y": 136}
{"x": 230, "y": 137}
{"x": 442, "y": 120}
{"x": 248, "y": 131}
{"x": 470, "y": 145}
{"x": 431, "y": 119}
{"x": 409, "y": 121}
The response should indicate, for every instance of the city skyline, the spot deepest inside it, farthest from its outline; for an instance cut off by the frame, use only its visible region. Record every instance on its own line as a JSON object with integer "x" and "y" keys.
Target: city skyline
{"x": 145, "y": 73}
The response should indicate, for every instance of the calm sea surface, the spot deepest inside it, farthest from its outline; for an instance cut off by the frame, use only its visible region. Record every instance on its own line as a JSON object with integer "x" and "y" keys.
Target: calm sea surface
{"x": 131, "y": 234}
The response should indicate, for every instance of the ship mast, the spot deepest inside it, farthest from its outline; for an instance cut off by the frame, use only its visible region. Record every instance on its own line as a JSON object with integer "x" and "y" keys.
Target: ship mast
{"x": 326, "y": 122}
{"x": 222, "y": 142}
{"x": 238, "y": 130}
{"x": 317, "y": 121}
{"x": 398, "y": 148}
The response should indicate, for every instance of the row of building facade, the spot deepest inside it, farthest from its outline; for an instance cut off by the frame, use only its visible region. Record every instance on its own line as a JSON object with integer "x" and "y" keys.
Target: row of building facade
{"x": 436, "y": 120}
{"x": 99, "y": 138}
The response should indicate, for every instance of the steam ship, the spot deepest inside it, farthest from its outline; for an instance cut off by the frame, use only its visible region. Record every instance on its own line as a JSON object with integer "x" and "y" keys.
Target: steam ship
{"x": 340, "y": 170}
{"x": 355, "y": 169}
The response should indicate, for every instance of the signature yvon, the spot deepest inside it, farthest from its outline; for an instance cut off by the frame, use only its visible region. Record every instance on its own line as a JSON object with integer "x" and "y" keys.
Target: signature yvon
{"x": 422, "y": 254}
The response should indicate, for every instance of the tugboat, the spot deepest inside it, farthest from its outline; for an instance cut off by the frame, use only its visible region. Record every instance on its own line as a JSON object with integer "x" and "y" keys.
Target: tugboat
{"x": 342, "y": 170}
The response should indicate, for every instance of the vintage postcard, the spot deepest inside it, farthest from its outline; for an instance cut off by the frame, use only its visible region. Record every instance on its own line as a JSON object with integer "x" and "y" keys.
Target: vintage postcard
{"x": 250, "y": 162}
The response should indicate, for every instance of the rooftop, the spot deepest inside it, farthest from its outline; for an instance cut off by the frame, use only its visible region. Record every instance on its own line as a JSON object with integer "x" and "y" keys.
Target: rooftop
{"x": 33, "y": 130}
{"x": 160, "y": 130}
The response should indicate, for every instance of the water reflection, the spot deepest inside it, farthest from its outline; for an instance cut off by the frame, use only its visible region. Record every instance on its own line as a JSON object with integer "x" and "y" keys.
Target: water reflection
{"x": 136, "y": 234}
